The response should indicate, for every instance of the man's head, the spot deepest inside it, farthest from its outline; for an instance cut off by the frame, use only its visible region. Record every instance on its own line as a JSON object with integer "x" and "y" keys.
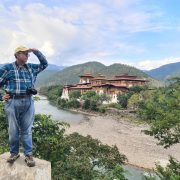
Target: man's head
{"x": 21, "y": 53}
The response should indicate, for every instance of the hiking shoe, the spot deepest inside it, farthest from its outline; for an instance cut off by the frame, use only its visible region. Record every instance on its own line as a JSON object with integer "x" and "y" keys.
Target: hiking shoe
{"x": 29, "y": 161}
{"x": 13, "y": 158}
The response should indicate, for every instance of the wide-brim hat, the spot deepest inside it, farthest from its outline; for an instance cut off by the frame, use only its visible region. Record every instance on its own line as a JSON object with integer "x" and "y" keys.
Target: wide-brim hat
{"x": 21, "y": 49}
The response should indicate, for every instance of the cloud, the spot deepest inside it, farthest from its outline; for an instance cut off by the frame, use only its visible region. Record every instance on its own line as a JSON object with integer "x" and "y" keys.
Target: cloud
{"x": 71, "y": 32}
{"x": 152, "y": 64}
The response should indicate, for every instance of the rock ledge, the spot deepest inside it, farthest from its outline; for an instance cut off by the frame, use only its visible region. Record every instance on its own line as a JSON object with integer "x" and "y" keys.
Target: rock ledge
{"x": 20, "y": 171}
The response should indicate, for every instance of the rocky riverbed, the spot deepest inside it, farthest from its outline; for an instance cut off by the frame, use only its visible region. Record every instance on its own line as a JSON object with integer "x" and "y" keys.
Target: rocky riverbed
{"x": 140, "y": 149}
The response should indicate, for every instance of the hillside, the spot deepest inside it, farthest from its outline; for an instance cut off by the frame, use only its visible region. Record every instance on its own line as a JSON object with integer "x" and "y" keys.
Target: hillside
{"x": 71, "y": 74}
{"x": 47, "y": 73}
{"x": 43, "y": 76}
{"x": 166, "y": 71}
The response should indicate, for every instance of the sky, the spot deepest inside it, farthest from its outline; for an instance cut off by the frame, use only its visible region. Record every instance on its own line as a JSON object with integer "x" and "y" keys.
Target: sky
{"x": 141, "y": 33}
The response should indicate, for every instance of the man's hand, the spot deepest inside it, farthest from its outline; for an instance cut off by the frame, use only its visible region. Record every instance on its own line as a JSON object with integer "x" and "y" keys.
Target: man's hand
{"x": 32, "y": 50}
{"x": 6, "y": 97}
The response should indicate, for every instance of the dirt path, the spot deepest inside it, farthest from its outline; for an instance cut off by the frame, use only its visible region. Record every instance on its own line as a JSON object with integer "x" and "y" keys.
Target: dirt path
{"x": 140, "y": 149}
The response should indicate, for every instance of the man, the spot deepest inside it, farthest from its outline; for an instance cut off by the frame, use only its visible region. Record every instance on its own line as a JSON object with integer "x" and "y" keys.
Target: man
{"x": 18, "y": 80}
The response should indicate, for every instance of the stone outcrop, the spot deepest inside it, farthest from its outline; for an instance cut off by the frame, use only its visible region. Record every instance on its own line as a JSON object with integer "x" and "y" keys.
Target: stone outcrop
{"x": 20, "y": 171}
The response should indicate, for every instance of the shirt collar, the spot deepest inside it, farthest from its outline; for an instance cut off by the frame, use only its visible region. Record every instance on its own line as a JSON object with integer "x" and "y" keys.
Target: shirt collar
{"x": 18, "y": 67}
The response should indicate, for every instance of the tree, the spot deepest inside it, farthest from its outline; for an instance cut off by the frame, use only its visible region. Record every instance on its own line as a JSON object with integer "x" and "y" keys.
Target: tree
{"x": 86, "y": 104}
{"x": 163, "y": 111}
{"x": 75, "y": 94}
{"x": 62, "y": 103}
{"x": 136, "y": 89}
{"x": 52, "y": 92}
{"x": 73, "y": 156}
{"x": 73, "y": 103}
{"x": 88, "y": 95}
{"x": 134, "y": 101}
{"x": 100, "y": 98}
{"x": 123, "y": 99}
{"x": 170, "y": 172}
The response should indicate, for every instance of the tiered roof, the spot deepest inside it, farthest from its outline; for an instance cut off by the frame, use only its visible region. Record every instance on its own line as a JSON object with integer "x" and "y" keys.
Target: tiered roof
{"x": 87, "y": 75}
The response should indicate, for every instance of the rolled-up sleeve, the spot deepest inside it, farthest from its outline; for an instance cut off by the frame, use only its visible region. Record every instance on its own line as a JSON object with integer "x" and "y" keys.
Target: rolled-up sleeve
{"x": 43, "y": 62}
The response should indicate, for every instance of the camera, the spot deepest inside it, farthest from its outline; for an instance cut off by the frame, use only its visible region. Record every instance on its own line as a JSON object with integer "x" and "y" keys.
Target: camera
{"x": 31, "y": 91}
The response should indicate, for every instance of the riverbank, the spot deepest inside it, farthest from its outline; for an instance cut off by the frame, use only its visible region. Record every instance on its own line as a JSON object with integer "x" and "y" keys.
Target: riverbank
{"x": 140, "y": 149}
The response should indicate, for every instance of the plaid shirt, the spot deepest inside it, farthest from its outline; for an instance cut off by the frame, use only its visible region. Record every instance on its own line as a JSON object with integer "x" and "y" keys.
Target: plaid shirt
{"x": 17, "y": 79}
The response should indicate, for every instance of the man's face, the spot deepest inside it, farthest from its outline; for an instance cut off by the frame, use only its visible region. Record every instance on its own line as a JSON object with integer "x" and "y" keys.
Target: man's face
{"x": 22, "y": 56}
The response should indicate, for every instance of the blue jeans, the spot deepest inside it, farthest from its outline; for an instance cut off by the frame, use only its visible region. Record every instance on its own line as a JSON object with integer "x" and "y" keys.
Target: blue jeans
{"x": 20, "y": 114}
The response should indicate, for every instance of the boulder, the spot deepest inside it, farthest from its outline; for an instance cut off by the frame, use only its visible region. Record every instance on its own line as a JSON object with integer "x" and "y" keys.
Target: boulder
{"x": 20, "y": 171}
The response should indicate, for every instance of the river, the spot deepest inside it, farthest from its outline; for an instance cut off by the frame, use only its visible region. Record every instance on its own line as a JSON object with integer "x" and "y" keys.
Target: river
{"x": 44, "y": 107}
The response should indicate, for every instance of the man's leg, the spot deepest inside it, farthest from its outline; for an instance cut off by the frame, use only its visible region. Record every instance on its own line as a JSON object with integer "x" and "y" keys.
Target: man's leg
{"x": 27, "y": 120}
{"x": 13, "y": 129}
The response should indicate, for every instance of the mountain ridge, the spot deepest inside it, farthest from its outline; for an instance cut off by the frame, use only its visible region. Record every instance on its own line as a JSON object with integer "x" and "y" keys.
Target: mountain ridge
{"x": 166, "y": 71}
{"x": 70, "y": 75}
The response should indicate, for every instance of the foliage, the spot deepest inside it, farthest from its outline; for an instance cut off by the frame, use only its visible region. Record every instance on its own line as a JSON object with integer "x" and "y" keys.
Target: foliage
{"x": 36, "y": 98}
{"x": 52, "y": 92}
{"x": 45, "y": 138}
{"x": 75, "y": 94}
{"x": 4, "y": 130}
{"x": 100, "y": 98}
{"x": 114, "y": 105}
{"x": 136, "y": 89}
{"x": 123, "y": 99}
{"x": 73, "y": 103}
{"x": 93, "y": 105}
{"x": 88, "y": 95}
{"x": 134, "y": 101}
{"x": 72, "y": 156}
{"x": 62, "y": 103}
{"x": 88, "y": 157}
{"x": 102, "y": 109}
{"x": 162, "y": 110}
{"x": 92, "y": 100}
{"x": 171, "y": 172}
{"x": 86, "y": 104}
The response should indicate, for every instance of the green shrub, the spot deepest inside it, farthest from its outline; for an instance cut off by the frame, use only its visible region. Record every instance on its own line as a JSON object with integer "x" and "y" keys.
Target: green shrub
{"x": 114, "y": 105}
{"x": 62, "y": 103}
{"x": 93, "y": 105}
{"x": 75, "y": 94}
{"x": 73, "y": 104}
{"x": 4, "y": 130}
{"x": 102, "y": 109}
{"x": 74, "y": 156}
{"x": 123, "y": 99}
{"x": 86, "y": 104}
{"x": 134, "y": 101}
{"x": 88, "y": 95}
